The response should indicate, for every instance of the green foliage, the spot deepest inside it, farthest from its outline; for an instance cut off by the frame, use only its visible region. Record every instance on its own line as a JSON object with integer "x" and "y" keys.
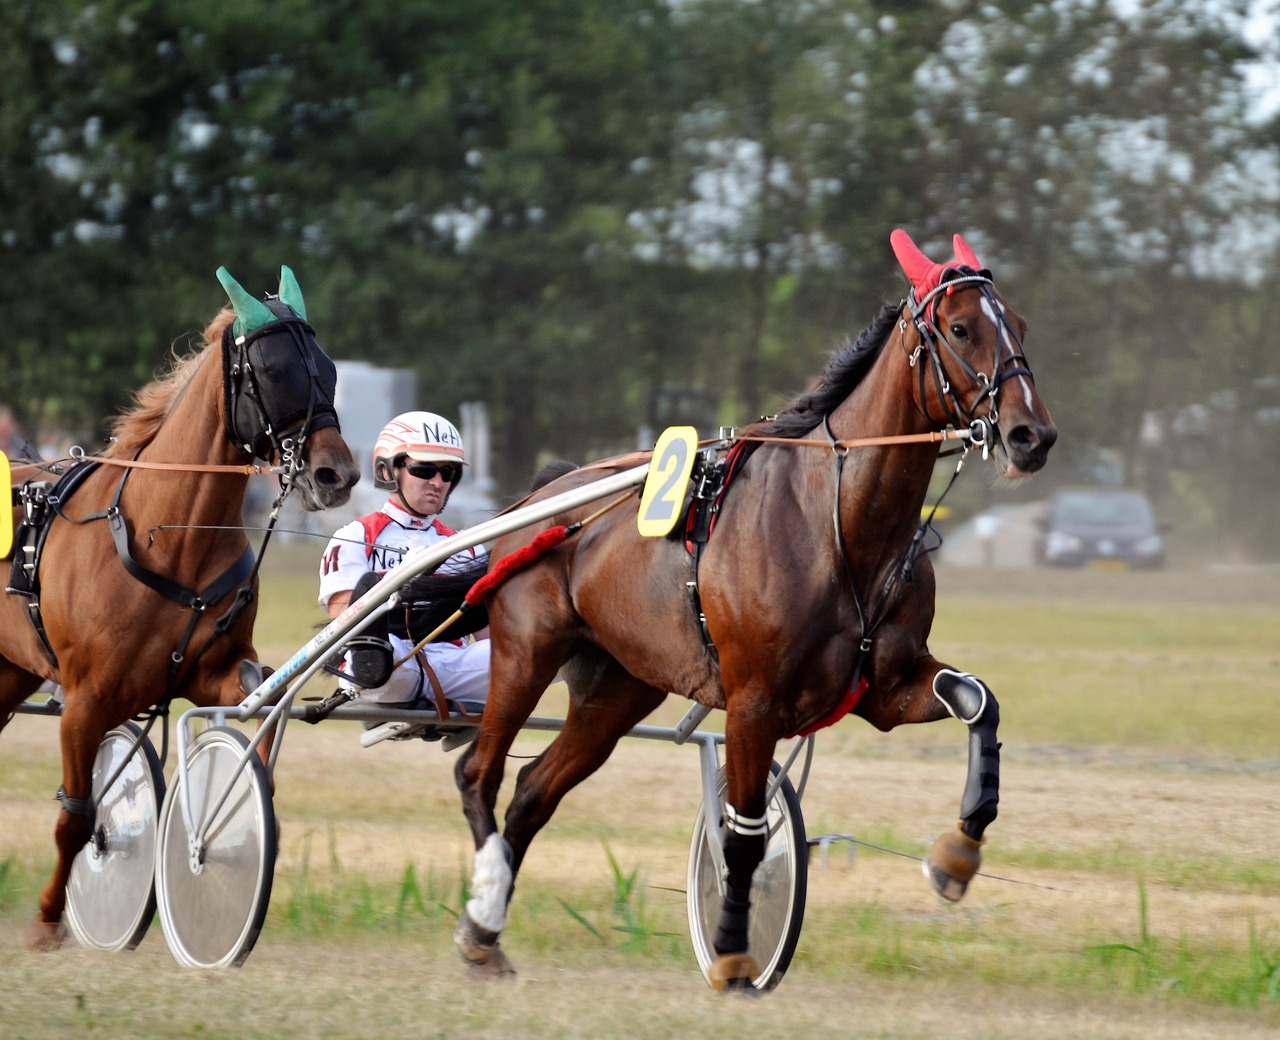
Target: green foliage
{"x": 562, "y": 206}
{"x": 629, "y": 914}
{"x": 1149, "y": 964}
{"x": 9, "y": 892}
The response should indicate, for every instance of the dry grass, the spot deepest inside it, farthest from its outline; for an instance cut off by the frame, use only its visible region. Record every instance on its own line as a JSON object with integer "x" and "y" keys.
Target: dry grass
{"x": 1114, "y": 842}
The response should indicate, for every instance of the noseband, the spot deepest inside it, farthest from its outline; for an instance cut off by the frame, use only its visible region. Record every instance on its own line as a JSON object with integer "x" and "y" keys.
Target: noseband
{"x": 922, "y": 315}
{"x": 264, "y": 375}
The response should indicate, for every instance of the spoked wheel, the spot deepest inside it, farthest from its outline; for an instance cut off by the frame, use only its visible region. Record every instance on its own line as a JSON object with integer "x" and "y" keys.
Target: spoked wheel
{"x": 778, "y": 888}
{"x": 213, "y": 896}
{"x": 110, "y": 894}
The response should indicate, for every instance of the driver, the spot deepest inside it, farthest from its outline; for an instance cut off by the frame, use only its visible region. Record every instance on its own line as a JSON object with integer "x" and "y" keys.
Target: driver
{"x": 419, "y": 458}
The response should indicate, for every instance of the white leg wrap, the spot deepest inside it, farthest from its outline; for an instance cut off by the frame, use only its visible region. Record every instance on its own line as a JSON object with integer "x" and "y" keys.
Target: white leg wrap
{"x": 490, "y": 884}
{"x": 745, "y": 825}
{"x": 959, "y": 706}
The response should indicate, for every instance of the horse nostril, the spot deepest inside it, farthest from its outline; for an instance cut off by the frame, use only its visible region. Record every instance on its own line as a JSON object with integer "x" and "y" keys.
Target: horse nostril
{"x": 325, "y": 476}
{"x": 1022, "y": 438}
{"x": 1027, "y": 439}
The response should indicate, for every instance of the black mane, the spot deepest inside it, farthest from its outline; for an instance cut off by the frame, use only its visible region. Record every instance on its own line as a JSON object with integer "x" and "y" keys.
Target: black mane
{"x": 843, "y": 372}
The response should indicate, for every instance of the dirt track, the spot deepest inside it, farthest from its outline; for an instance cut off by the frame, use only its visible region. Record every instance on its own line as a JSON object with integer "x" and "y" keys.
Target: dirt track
{"x": 375, "y": 810}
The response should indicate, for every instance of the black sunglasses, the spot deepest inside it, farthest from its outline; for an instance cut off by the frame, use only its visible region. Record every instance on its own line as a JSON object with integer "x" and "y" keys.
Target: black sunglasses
{"x": 450, "y": 471}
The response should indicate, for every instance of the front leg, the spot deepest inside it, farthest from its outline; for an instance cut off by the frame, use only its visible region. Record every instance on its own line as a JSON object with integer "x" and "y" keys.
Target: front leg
{"x": 748, "y": 758}
{"x": 956, "y": 856}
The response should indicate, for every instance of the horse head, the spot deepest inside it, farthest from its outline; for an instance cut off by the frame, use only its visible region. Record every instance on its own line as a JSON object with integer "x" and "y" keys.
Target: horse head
{"x": 278, "y": 387}
{"x": 968, "y": 350}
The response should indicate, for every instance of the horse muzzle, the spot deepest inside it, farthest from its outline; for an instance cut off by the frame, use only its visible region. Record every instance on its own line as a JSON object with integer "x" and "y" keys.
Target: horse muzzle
{"x": 1023, "y": 448}
{"x": 329, "y": 472}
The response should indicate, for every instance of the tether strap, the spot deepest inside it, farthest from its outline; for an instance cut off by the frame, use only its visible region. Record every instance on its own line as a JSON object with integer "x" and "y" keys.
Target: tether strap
{"x": 75, "y": 806}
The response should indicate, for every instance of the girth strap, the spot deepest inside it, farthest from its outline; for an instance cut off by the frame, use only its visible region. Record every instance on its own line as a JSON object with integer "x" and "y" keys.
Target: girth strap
{"x": 713, "y": 480}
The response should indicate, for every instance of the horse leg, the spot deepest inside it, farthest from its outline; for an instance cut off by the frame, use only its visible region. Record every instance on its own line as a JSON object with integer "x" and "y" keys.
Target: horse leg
{"x": 592, "y": 728}
{"x": 956, "y": 856}
{"x": 748, "y": 760}
{"x": 16, "y": 685}
{"x": 930, "y": 692}
{"x": 81, "y": 731}
{"x": 478, "y": 775}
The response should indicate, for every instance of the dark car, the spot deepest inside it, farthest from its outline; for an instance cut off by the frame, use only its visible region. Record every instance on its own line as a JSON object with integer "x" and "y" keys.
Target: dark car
{"x": 1102, "y": 527}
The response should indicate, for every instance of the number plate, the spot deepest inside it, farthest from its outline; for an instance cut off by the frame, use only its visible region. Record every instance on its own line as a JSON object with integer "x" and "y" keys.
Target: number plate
{"x": 668, "y": 477}
{"x": 6, "y": 514}
{"x": 1109, "y": 565}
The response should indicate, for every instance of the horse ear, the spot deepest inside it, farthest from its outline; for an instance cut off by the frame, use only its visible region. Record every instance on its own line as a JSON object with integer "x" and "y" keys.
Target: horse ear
{"x": 965, "y": 255}
{"x": 291, "y": 293}
{"x": 922, "y": 272}
{"x": 251, "y": 313}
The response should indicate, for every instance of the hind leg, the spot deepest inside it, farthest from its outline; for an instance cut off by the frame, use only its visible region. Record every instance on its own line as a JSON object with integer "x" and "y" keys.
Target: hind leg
{"x": 82, "y": 730}
{"x": 16, "y": 685}
{"x": 593, "y": 726}
{"x": 513, "y": 694}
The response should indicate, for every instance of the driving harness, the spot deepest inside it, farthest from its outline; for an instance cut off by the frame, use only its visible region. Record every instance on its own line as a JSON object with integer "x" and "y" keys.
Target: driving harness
{"x": 42, "y": 502}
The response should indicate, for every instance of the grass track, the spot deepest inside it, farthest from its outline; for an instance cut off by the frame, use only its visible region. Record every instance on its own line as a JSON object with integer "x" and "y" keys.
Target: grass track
{"x": 1134, "y": 886}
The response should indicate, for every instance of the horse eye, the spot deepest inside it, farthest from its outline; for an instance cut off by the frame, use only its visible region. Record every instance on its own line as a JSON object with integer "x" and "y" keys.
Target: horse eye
{"x": 959, "y": 331}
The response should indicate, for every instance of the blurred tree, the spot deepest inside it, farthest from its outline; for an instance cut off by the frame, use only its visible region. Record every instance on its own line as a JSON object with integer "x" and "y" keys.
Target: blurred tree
{"x": 1109, "y": 165}
{"x": 569, "y": 208}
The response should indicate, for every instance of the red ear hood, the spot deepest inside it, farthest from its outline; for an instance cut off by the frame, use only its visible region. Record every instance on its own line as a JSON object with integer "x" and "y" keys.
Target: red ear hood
{"x": 923, "y": 273}
{"x": 966, "y": 255}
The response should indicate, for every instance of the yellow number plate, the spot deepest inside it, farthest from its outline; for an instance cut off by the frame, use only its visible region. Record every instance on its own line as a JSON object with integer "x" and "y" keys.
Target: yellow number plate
{"x": 6, "y": 514}
{"x": 668, "y": 477}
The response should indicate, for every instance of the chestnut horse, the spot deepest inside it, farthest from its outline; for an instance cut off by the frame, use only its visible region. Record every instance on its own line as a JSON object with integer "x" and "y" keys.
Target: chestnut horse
{"x": 812, "y": 599}
{"x": 146, "y": 584}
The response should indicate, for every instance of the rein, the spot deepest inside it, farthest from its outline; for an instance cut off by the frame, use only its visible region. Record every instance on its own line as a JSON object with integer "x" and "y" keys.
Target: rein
{"x": 936, "y": 436}
{"x": 247, "y": 470}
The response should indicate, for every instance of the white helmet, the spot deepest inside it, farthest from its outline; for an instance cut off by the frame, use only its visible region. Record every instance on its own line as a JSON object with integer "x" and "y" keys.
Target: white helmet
{"x": 423, "y": 436}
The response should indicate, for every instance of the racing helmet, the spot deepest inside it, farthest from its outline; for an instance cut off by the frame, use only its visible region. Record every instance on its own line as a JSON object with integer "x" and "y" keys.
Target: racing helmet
{"x": 423, "y": 437}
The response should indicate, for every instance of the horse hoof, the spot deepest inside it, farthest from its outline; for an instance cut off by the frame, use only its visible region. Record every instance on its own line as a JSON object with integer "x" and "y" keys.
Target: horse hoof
{"x": 734, "y": 972}
{"x": 952, "y": 863}
{"x": 479, "y": 948}
{"x": 494, "y": 966}
{"x": 45, "y": 935}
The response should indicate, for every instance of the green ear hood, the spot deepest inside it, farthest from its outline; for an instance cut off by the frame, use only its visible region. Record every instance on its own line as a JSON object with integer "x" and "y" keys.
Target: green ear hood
{"x": 251, "y": 313}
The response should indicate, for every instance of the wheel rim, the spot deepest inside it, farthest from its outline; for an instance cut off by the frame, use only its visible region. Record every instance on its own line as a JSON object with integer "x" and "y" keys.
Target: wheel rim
{"x": 212, "y": 906}
{"x": 111, "y": 891}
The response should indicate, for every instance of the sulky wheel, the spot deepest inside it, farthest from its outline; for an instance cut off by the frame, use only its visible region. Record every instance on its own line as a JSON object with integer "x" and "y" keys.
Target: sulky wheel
{"x": 778, "y": 888}
{"x": 110, "y": 894}
{"x": 213, "y": 894}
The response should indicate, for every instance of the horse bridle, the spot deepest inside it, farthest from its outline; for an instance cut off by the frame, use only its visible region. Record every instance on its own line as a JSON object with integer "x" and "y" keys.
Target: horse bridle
{"x": 923, "y": 312}
{"x": 264, "y": 417}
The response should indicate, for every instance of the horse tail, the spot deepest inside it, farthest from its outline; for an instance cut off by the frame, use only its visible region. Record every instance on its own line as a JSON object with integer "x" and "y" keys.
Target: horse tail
{"x": 552, "y": 470}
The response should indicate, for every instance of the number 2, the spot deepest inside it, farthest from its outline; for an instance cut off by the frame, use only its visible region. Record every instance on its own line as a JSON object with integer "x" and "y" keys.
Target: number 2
{"x": 668, "y": 476}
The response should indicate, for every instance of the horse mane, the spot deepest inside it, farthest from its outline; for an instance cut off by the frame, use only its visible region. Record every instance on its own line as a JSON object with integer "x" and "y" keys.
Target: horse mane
{"x": 844, "y": 371}
{"x": 133, "y": 430}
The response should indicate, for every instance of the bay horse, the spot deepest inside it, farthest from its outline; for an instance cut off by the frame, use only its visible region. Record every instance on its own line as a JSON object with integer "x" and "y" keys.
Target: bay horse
{"x": 146, "y": 584}
{"x": 811, "y": 598}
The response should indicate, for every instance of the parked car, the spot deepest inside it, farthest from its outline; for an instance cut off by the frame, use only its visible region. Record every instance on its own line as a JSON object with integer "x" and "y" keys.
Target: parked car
{"x": 1102, "y": 527}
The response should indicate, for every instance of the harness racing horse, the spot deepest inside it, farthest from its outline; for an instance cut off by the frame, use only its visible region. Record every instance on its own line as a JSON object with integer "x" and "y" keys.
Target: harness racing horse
{"x": 146, "y": 584}
{"x": 811, "y": 599}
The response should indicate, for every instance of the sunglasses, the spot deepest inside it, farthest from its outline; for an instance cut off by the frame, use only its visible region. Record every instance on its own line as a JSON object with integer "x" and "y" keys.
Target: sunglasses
{"x": 449, "y": 472}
